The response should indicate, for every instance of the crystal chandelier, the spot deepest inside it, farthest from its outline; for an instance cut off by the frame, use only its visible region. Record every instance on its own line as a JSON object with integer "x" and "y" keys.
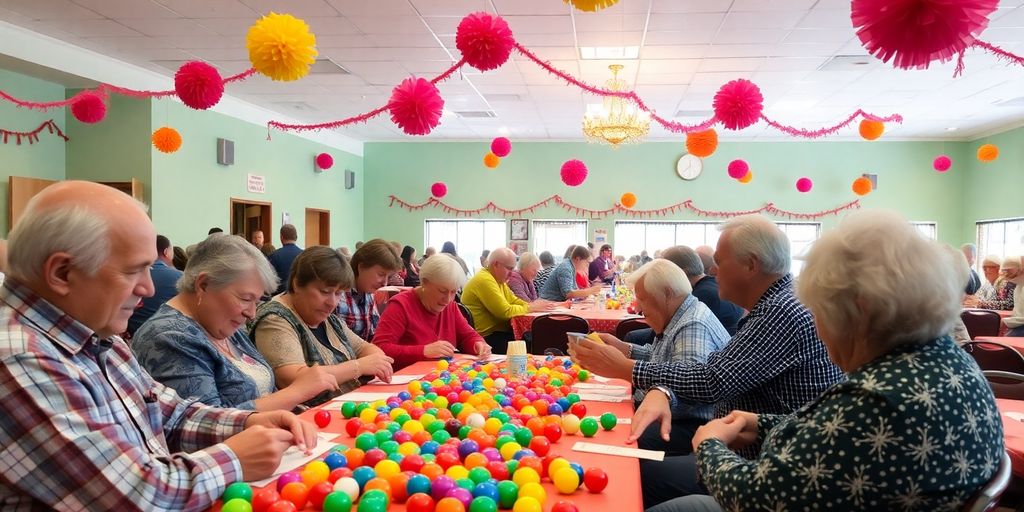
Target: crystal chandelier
{"x": 618, "y": 121}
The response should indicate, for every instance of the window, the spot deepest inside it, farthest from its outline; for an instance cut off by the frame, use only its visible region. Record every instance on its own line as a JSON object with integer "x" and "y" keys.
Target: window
{"x": 930, "y": 230}
{"x": 1000, "y": 237}
{"x": 801, "y": 235}
{"x": 470, "y": 237}
{"x": 555, "y": 236}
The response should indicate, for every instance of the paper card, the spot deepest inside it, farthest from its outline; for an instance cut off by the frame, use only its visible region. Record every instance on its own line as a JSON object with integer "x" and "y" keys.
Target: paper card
{"x": 619, "y": 451}
{"x": 590, "y": 386}
{"x": 362, "y": 396}
{"x": 597, "y": 397}
{"x": 608, "y": 392}
{"x": 395, "y": 379}
{"x": 598, "y": 378}
{"x": 1014, "y": 415}
{"x": 294, "y": 459}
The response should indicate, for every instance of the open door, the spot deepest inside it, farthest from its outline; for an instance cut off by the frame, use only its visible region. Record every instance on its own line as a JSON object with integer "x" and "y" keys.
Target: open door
{"x": 318, "y": 227}
{"x": 19, "y": 191}
{"x": 248, "y": 216}
{"x": 137, "y": 191}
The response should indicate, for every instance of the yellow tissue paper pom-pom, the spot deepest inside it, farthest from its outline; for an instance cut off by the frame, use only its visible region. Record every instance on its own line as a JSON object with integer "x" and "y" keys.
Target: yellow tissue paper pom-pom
{"x": 281, "y": 47}
{"x": 591, "y": 5}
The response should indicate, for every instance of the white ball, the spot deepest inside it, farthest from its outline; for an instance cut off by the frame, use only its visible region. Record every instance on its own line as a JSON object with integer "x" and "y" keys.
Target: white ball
{"x": 348, "y": 486}
{"x": 500, "y": 383}
{"x": 475, "y": 420}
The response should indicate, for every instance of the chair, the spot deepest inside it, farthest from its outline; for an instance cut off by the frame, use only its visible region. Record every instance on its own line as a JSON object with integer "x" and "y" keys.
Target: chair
{"x": 995, "y": 356}
{"x": 1005, "y": 384}
{"x": 628, "y": 325}
{"x": 988, "y": 496}
{"x": 466, "y": 313}
{"x": 981, "y": 322}
{"x": 549, "y": 331}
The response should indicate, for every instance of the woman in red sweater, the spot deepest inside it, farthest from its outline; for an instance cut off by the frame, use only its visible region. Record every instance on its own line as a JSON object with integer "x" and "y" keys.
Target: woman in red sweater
{"x": 425, "y": 323}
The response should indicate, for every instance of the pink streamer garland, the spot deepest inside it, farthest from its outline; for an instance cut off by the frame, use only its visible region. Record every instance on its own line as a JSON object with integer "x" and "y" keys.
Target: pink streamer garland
{"x": 688, "y": 205}
{"x": 822, "y": 132}
{"x": 32, "y": 136}
{"x": 991, "y": 48}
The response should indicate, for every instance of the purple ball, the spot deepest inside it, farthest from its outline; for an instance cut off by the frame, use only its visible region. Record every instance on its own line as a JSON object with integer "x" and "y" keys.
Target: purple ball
{"x": 287, "y": 478}
{"x": 452, "y": 426}
{"x": 466, "y": 447}
{"x": 462, "y": 495}
{"x": 440, "y": 487}
{"x": 555, "y": 409}
{"x": 492, "y": 454}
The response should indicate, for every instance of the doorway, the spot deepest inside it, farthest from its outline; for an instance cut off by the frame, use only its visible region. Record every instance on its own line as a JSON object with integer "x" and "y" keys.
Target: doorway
{"x": 318, "y": 227}
{"x": 248, "y": 216}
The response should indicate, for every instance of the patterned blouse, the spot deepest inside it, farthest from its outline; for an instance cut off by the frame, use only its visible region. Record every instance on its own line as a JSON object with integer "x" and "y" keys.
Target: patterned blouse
{"x": 1003, "y": 299}
{"x": 523, "y": 288}
{"x": 916, "y": 429}
{"x": 360, "y": 313}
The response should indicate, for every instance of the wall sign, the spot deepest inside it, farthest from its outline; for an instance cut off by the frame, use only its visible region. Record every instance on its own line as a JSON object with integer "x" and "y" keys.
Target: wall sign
{"x": 256, "y": 184}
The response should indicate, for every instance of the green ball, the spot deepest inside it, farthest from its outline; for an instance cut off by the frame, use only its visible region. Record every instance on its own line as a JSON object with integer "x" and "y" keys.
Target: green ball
{"x": 479, "y": 474}
{"x": 348, "y": 409}
{"x": 340, "y": 448}
{"x": 588, "y": 426}
{"x": 394, "y": 426}
{"x": 507, "y": 427}
{"x": 431, "y": 396}
{"x": 583, "y": 376}
{"x": 432, "y": 411}
{"x": 383, "y": 436}
{"x": 237, "y": 505}
{"x": 397, "y": 457}
{"x": 374, "y": 500}
{"x": 237, "y": 490}
{"x": 503, "y": 416}
{"x": 466, "y": 484}
{"x": 512, "y": 466}
{"x": 440, "y": 436}
{"x": 337, "y": 501}
{"x": 483, "y": 504}
{"x": 464, "y": 431}
{"x": 502, "y": 441}
{"x": 389, "y": 446}
{"x": 556, "y": 382}
{"x": 361, "y": 407}
{"x": 366, "y": 441}
{"x": 435, "y": 426}
{"x": 572, "y": 398}
{"x": 508, "y": 492}
{"x": 456, "y": 408}
{"x": 402, "y": 418}
{"x": 608, "y": 421}
{"x": 524, "y": 436}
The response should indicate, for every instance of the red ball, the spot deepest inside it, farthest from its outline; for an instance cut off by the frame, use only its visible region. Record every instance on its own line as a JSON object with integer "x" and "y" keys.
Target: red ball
{"x": 553, "y": 432}
{"x": 564, "y": 506}
{"x": 499, "y": 471}
{"x": 319, "y": 492}
{"x": 199, "y": 85}
{"x": 447, "y": 459}
{"x": 579, "y": 410}
{"x": 263, "y": 499}
{"x": 420, "y": 502}
{"x": 595, "y": 479}
{"x": 338, "y": 473}
{"x": 322, "y": 418}
{"x": 412, "y": 463}
{"x": 352, "y": 426}
{"x": 374, "y": 456}
{"x": 540, "y": 445}
{"x": 282, "y": 506}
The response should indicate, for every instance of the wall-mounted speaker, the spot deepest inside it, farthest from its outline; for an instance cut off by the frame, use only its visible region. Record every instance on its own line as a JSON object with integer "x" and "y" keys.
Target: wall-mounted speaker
{"x": 225, "y": 152}
{"x": 874, "y": 180}
{"x": 350, "y": 179}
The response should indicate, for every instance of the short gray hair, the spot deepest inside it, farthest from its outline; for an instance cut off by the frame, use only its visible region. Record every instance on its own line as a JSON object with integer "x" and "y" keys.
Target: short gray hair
{"x": 500, "y": 252}
{"x": 527, "y": 260}
{"x": 684, "y": 258}
{"x": 970, "y": 247}
{"x": 225, "y": 259}
{"x": 875, "y": 271}
{"x": 444, "y": 271}
{"x": 755, "y": 236}
{"x": 77, "y": 229}
{"x": 662, "y": 279}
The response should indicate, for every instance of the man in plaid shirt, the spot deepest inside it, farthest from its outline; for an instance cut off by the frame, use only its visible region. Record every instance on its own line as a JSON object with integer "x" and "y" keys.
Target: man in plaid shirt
{"x": 82, "y": 426}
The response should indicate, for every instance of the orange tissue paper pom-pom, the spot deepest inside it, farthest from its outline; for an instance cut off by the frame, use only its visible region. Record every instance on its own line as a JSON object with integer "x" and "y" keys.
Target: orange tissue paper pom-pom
{"x": 746, "y": 177}
{"x": 166, "y": 139}
{"x": 491, "y": 160}
{"x": 988, "y": 152}
{"x": 628, "y": 199}
{"x": 862, "y": 186}
{"x": 871, "y": 130}
{"x": 702, "y": 144}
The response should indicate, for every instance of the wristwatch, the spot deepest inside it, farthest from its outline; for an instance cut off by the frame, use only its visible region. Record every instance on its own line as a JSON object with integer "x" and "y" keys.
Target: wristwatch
{"x": 668, "y": 392}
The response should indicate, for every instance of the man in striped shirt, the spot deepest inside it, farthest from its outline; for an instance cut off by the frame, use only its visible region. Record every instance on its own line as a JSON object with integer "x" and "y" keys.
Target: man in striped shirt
{"x": 82, "y": 426}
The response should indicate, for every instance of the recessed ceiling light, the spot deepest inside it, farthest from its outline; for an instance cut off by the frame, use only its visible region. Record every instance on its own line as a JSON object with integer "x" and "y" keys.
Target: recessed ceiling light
{"x": 951, "y": 129}
{"x": 609, "y": 52}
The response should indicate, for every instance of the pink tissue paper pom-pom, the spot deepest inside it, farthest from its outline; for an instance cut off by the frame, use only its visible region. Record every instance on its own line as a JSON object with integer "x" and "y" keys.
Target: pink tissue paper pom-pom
{"x": 501, "y": 146}
{"x": 199, "y": 85}
{"x": 942, "y": 163}
{"x": 89, "y": 108}
{"x": 438, "y": 190}
{"x": 574, "y": 172}
{"x": 416, "y": 106}
{"x": 324, "y": 161}
{"x": 913, "y": 33}
{"x": 485, "y": 40}
{"x": 738, "y": 104}
{"x": 738, "y": 169}
{"x": 804, "y": 184}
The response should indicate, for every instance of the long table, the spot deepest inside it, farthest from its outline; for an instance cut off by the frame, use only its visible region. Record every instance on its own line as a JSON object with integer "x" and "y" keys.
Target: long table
{"x": 1013, "y": 432}
{"x": 623, "y": 493}
{"x": 601, "y": 320}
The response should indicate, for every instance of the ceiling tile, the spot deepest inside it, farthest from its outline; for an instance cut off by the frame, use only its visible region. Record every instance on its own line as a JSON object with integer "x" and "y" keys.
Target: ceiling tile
{"x": 521, "y": 7}
{"x": 50, "y": 10}
{"x": 668, "y": 6}
{"x": 117, "y": 9}
{"x": 749, "y": 36}
{"x": 448, "y": 7}
{"x": 299, "y": 8}
{"x": 603, "y": 23}
{"x": 210, "y": 8}
{"x": 167, "y": 27}
{"x": 815, "y": 36}
{"x": 90, "y": 28}
{"x": 685, "y": 22}
{"x": 389, "y": 24}
{"x": 772, "y": 5}
{"x": 827, "y": 18}
{"x": 689, "y": 37}
{"x": 387, "y": 8}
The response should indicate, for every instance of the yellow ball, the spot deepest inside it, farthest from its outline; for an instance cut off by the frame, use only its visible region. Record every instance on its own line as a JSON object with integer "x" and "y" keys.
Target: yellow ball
{"x": 368, "y": 415}
{"x": 570, "y": 424}
{"x": 492, "y": 425}
{"x": 415, "y": 387}
{"x": 457, "y": 472}
{"x": 427, "y": 419}
{"x": 488, "y": 383}
{"x": 315, "y": 472}
{"x": 442, "y": 365}
{"x": 566, "y": 480}
{"x": 412, "y": 426}
{"x": 523, "y": 476}
{"x": 408, "y": 448}
{"x": 533, "y": 490}
{"x": 441, "y": 403}
{"x": 386, "y": 468}
{"x": 526, "y": 504}
{"x": 396, "y": 412}
{"x": 508, "y": 450}
{"x": 558, "y": 464}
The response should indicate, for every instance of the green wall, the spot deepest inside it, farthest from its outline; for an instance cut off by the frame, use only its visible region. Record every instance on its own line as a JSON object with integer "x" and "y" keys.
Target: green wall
{"x": 906, "y": 181}
{"x": 993, "y": 190}
{"x": 193, "y": 192}
{"x": 44, "y": 159}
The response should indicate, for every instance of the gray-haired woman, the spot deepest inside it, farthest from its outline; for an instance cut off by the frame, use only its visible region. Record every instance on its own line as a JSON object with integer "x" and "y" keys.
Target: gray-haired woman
{"x": 195, "y": 342}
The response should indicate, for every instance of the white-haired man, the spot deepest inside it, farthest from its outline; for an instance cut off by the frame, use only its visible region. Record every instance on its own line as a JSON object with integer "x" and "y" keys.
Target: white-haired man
{"x": 82, "y": 426}
{"x": 773, "y": 365}
{"x": 1011, "y": 271}
{"x": 686, "y": 331}
{"x": 973, "y": 282}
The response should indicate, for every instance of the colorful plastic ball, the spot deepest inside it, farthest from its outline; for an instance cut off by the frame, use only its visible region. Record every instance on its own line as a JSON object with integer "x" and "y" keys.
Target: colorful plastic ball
{"x": 541, "y": 445}
{"x": 595, "y": 479}
{"x": 297, "y": 493}
{"x": 386, "y": 468}
{"x": 335, "y": 460}
{"x": 418, "y": 484}
{"x": 527, "y": 504}
{"x": 337, "y": 501}
{"x": 282, "y": 506}
{"x": 483, "y": 504}
{"x": 487, "y": 489}
{"x": 457, "y": 472}
{"x": 462, "y": 494}
{"x": 352, "y": 426}
{"x": 533, "y": 490}
{"x": 525, "y": 475}
{"x": 363, "y": 474}
{"x": 578, "y": 468}
{"x": 348, "y": 409}
{"x": 379, "y": 484}
{"x": 508, "y": 492}
{"x": 553, "y": 431}
{"x": 448, "y": 504}
{"x": 315, "y": 472}
{"x": 420, "y": 502}
{"x": 498, "y": 470}
{"x": 556, "y": 464}
{"x": 322, "y": 418}
{"x": 566, "y": 480}
{"x": 479, "y": 474}
{"x": 524, "y": 436}
{"x": 318, "y": 493}
{"x": 236, "y": 505}
{"x": 374, "y": 501}
{"x": 608, "y": 421}
{"x": 588, "y": 427}
{"x": 466, "y": 484}
{"x": 349, "y": 486}
{"x": 564, "y": 506}
{"x": 440, "y": 486}
{"x": 399, "y": 487}
{"x": 374, "y": 456}
{"x": 287, "y": 478}
{"x": 578, "y": 409}
{"x": 263, "y": 499}
{"x": 237, "y": 490}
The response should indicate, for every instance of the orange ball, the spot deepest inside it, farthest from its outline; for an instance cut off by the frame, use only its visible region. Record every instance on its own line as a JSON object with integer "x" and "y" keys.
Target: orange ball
{"x": 432, "y": 470}
{"x": 475, "y": 459}
{"x": 536, "y": 425}
{"x": 355, "y": 457}
{"x": 988, "y": 152}
{"x": 399, "y": 483}
{"x": 628, "y": 200}
{"x": 702, "y": 144}
{"x": 862, "y": 186}
{"x": 379, "y": 483}
{"x": 297, "y": 493}
{"x": 491, "y": 160}
{"x": 870, "y": 129}
{"x": 746, "y": 177}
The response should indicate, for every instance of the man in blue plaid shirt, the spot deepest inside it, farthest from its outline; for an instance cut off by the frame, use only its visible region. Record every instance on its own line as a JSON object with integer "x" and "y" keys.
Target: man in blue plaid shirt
{"x": 773, "y": 365}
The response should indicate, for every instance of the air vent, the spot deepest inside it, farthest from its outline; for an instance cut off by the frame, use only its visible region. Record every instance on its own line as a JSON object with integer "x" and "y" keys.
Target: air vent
{"x": 848, "y": 63}
{"x": 295, "y": 106}
{"x": 503, "y": 97}
{"x": 701, "y": 114}
{"x": 475, "y": 114}
{"x": 327, "y": 67}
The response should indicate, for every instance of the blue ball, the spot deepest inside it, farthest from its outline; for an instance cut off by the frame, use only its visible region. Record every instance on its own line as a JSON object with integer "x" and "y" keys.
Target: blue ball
{"x": 429, "y": 448}
{"x": 397, "y": 457}
{"x": 335, "y": 460}
{"x": 578, "y": 469}
{"x": 363, "y": 474}
{"x": 555, "y": 409}
{"x": 524, "y": 453}
{"x": 563, "y": 403}
{"x": 418, "y": 483}
{"x": 567, "y": 363}
{"x": 404, "y": 395}
{"x": 486, "y": 489}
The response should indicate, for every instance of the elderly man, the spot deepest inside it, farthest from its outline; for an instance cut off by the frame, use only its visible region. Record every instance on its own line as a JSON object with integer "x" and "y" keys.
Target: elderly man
{"x": 165, "y": 280}
{"x": 707, "y": 258}
{"x": 492, "y": 303}
{"x": 282, "y": 258}
{"x": 973, "y": 282}
{"x": 773, "y": 365}
{"x": 1011, "y": 271}
{"x": 603, "y": 267}
{"x": 705, "y": 287}
{"x": 686, "y": 332}
{"x": 82, "y": 426}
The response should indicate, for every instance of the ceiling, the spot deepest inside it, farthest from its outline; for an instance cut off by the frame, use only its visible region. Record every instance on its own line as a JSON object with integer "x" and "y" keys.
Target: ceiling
{"x": 802, "y": 53}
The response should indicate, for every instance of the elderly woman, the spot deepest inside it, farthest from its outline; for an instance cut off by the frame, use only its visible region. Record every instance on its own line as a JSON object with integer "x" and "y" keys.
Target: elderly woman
{"x": 412, "y": 269}
{"x": 425, "y": 322}
{"x": 521, "y": 279}
{"x": 1011, "y": 271}
{"x": 194, "y": 343}
{"x": 562, "y": 285}
{"x": 297, "y": 330}
{"x": 996, "y": 291}
{"x": 883, "y": 298}
{"x": 372, "y": 263}
{"x": 449, "y": 249}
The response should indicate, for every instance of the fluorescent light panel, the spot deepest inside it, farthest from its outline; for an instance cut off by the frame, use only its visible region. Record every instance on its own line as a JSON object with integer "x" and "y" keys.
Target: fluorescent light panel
{"x": 609, "y": 52}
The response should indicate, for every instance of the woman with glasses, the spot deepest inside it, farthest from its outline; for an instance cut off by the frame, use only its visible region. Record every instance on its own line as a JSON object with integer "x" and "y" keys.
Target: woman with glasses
{"x": 195, "y": 342}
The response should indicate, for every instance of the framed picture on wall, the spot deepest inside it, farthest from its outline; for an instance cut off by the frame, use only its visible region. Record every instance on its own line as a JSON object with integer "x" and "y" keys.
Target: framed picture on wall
{"x": 520, "y": 229}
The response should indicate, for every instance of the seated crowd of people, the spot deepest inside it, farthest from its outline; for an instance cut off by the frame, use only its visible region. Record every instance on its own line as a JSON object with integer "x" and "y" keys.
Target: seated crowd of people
{"x": 841, "y": 389}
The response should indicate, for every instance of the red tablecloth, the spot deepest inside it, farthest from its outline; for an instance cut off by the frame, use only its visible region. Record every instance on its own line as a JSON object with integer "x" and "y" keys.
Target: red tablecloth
{"x": 601, "y": 320}
{"x": 1016, "y": 343}
{"x": 1013, "y": 431}
{"x": 623, "y": 493}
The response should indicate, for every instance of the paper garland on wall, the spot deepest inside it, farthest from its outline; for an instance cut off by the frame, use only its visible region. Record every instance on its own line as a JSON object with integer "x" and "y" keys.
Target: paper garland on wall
{"x": 33, "y": 136}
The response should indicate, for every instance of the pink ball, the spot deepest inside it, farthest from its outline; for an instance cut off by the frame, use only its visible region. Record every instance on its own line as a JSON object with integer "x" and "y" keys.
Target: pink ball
{"x": 738, "y": 104}
{"x": 438, "y": 190}
{"x": 804, "y": 185}
{"x": 324, "y": 161}
{"x": 484, "y": 40}
{"x": 574, "y": 172}
{"x": 501, "y": 146}
{"x": 199, "y": 85}
{"x": 89, "y": 108}
{"x": 287, "y": 478}
{"x": 942, "y": 163}
{"x": 738, "y": 169}
{"x": 416, "y": 106}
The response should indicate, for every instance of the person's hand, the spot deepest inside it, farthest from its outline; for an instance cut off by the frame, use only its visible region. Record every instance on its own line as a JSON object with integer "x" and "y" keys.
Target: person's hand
{"x": 439, "y": 349}
{"x": 604, "y": 360}
{"x": 377, "y": 365}
{"x": 727, "y": 432}
{"x": 310, "y": 381}
{"x": 259, "y": 449}
{"x": 971, "y": 301}
{"x": 542, "y": 305}
{"x": 303, "y": 432}
{"x": 611, "y": 340}
{"x": 656, "y": 407}
{"x": 748, "y": 428}
{"x": 482, "y": 349}
{"x": 594, "y": 290}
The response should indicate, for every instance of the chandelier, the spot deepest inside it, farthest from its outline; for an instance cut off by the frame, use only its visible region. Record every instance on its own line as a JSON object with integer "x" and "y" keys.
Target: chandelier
{"x": 618, "y": 120}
